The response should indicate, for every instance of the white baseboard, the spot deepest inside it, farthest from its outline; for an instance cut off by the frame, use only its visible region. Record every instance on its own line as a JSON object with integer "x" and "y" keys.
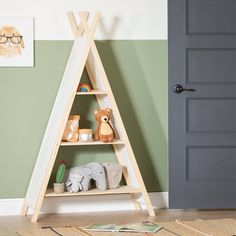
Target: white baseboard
{"x": 83, "y": 204}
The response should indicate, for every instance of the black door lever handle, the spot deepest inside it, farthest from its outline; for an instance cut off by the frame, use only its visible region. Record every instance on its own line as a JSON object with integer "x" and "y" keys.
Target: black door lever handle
{"x": 179, "y": 89}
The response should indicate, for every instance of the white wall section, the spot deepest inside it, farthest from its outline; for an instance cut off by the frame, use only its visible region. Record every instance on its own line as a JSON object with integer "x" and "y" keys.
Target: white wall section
{"x": 121, "y": 19}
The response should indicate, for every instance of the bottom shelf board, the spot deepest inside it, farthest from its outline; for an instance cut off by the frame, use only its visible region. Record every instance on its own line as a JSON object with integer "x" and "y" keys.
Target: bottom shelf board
{"x": 120, "y": 190}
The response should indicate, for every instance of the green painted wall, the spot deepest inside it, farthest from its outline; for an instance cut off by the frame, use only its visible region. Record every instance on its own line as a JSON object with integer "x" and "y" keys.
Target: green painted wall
{"x": 137, "y": 71}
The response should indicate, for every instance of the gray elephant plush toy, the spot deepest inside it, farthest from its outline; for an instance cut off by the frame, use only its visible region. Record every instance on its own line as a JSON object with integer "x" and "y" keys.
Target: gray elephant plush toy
{"x": 79, "y": 177}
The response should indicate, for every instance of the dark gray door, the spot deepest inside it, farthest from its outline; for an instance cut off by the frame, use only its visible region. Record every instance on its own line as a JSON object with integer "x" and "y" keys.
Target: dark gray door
{"x": 202, "y": 123}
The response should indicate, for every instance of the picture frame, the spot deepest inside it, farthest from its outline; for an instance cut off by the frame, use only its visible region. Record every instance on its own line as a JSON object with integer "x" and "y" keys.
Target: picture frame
{"x": 16, "y": 41}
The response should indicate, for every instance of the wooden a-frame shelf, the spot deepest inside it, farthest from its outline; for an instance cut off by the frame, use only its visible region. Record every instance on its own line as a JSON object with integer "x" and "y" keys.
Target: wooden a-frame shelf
{"x": 93, "y": 92}
{"x": 91, "y": 143}
{"x": 121, "y": 190}
{"x": 84, "y": 54}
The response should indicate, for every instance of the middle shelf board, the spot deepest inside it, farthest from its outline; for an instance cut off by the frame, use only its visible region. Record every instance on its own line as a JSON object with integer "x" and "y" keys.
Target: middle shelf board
{"x": 90, "y": 143}
{"x": 121, "y": 190}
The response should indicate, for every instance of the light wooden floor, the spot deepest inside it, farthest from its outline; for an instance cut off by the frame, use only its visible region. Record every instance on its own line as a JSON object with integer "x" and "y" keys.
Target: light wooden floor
{"x": 10, "y": 224}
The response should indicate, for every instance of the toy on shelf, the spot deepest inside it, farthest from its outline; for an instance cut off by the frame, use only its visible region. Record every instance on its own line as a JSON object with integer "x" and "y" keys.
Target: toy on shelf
{"x": 79, "y": 177}
{"x": 85, "y": 135}
{"x": 104, "y": 131}
{"x": 74, "y": 182}
{"x": 71, "y": 130}
{"x": 59, "y": 186}
{"x": 113, "y": 174}
{"x": 106, "y": 176}
{"x": 84, "y": 88}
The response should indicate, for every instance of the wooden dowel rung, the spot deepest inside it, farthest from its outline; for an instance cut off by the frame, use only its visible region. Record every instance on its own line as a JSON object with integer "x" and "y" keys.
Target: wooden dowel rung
{"x": 95, "y": 22}
{"x": 78, "y": 30}
{"x": 73, "y": 22}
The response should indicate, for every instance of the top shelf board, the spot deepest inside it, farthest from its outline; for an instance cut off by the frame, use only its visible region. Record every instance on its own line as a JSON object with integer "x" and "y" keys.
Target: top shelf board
{"x": 93, "y": 92}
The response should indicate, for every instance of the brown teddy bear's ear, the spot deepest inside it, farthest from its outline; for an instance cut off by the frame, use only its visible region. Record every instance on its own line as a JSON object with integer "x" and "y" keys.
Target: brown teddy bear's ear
{"x": 108, "y": 109}
{"x": 95, "y": 112}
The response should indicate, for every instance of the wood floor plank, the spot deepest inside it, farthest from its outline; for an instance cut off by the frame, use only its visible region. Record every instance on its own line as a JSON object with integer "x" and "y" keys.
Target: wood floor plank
{"x": 205, "y": 227}
{"x": 10, "y": 224}
{"x": 178, "y": 230}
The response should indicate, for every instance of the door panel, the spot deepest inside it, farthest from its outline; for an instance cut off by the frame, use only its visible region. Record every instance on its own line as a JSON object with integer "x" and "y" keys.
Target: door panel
{"x": 211, "y": 16}
{"x": 210, "y": 115}
{"x": 202, "y": 123}
{"x": 199, "y": 163}
{"x": 211, "y": 66}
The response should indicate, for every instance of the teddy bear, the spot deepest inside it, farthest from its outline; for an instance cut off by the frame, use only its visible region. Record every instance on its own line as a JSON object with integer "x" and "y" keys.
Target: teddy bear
{"x": 104, "y": 131}
{"x": 79, "y": 177}
{"x": 73, "y": 183}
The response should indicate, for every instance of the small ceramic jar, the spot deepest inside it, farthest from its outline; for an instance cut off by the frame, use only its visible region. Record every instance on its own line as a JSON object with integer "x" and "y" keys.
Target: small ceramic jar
{"x": 85, "y": 135}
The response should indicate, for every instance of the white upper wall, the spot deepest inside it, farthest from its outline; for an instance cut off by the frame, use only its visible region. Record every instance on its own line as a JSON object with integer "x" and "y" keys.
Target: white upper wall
{"x": 121, "y": 19}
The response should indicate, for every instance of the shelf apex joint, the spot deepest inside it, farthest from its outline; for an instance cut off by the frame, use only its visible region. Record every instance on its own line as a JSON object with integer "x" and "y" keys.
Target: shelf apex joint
{"x": 82, "y": 27}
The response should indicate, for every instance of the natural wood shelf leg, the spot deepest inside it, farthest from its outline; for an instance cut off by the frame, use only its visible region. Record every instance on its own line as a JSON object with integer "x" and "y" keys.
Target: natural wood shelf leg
{"x": 24, "y": 210}
{"x": 137, "y": 206}
{"x": 148, "y": 203}
{"x": 35, "y": 216}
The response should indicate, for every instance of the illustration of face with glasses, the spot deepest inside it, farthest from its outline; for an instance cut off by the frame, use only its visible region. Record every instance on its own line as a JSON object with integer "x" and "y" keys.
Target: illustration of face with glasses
{"x": 11, "y": 42}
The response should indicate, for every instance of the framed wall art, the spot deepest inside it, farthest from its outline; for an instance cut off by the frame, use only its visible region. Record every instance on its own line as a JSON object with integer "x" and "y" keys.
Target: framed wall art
{"x": 16, "y": 42}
